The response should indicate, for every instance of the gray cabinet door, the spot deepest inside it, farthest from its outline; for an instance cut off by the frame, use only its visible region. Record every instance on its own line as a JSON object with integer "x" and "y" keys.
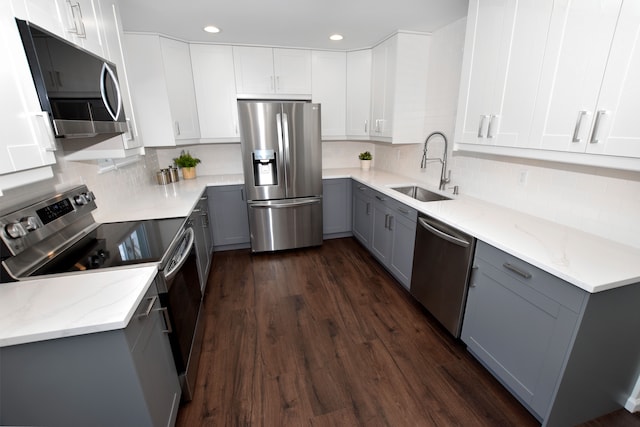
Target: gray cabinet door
{"x": 200, "y": 221}
{"x": 362, "y": 213}
{"x": 403, "y": 241}
{"x": 336, "y": 207}
{"x": 381, "y": 235}
{"x": 518, "y": 327}
{"x": 229, "y": 218}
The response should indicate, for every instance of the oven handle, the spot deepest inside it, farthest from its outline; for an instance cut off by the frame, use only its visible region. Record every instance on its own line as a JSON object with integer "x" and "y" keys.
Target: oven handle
{"x": 180, "y": 255}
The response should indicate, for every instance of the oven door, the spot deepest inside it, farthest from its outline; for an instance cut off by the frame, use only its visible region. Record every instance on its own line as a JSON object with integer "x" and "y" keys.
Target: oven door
{"x": 182, "y": 298}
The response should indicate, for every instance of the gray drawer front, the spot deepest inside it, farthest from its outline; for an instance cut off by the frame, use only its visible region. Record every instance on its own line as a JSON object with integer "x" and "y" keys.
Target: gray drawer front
{"x": 547, "y": 284}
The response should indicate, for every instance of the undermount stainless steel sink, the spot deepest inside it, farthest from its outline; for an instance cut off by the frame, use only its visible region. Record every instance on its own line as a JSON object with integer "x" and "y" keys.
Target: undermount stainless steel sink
{"x": 420, "y": 194}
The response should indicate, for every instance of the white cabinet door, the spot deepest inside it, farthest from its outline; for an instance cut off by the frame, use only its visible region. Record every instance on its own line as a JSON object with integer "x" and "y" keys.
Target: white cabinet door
{"x": 27, "y": 138}
{"x": 180, "y": 90}
{"x": 215, "y": 87}
{"x": 292, "y": 71}
{"x": 262, "y": 71}
{"x": 505, "y": 51}
{"x": 253, "y": 70}
{"x": 575, "y": 60}
{"x": 48, "y": 14}
{"x": 379, "y": 83}
{"x": 329, "y": 89}
{"x": 618, "y": 132}
{"x": 358, "y": 93}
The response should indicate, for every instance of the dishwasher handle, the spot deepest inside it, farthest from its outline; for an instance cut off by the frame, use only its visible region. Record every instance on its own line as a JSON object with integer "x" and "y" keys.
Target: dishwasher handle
{"x": 432, "y": 229}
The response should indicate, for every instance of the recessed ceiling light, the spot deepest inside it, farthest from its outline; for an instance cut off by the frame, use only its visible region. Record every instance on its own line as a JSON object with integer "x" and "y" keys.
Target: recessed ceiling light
{"x": 211, "y": 29}
{"x": 335, "y": 37}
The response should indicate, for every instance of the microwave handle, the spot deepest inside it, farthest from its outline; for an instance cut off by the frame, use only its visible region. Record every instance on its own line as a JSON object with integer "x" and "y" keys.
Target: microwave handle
{"x": 103, "y": 77}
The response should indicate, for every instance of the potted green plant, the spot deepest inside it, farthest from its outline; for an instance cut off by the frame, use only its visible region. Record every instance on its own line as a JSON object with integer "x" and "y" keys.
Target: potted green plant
{"x": 365, "y": 160}
{"x": 187, "y": 163}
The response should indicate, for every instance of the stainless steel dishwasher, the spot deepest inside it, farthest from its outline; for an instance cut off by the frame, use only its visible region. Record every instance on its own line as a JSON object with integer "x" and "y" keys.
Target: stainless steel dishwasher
{"x": 441, "y": 268}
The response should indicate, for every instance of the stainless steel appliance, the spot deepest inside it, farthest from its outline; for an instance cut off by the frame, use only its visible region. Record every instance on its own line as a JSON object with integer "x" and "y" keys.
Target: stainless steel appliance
{"x": 441, "y": 269}
{"x": 282, "y": 159}
{"x": 56, "y": 235}
{"x": 78, "y": 89}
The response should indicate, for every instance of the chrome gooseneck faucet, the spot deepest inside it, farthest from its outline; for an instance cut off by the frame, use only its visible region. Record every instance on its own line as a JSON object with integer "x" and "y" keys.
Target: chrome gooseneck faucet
{"x": 423, "y": 164}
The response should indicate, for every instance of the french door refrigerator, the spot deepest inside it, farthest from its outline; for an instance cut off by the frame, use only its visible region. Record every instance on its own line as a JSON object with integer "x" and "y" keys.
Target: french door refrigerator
{"x": 282, "y": 161}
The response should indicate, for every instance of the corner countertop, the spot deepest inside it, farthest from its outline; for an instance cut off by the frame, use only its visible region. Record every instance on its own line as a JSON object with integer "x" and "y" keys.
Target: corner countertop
{"x": 56, "y": 307}
{"x": 77, "y": 304}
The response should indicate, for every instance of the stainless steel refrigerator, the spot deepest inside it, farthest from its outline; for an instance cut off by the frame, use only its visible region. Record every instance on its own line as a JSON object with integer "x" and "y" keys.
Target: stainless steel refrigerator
{"x": 282, "y": 161}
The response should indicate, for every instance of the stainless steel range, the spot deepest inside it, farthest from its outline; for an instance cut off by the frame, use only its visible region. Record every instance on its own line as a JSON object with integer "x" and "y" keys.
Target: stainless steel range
{"x": 57, "y": 235}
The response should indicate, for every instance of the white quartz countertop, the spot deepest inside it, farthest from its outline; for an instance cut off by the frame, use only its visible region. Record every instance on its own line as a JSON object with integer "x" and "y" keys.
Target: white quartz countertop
{"x": 77, "y": 304}
{"x": 92, "y": 302}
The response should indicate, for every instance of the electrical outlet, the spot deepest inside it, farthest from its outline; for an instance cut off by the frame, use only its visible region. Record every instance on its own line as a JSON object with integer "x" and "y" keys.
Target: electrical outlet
{"x": 523, "y": 177}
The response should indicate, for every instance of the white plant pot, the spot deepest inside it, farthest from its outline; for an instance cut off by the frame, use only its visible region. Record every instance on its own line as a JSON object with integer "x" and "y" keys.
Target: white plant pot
{"x": 365, "y": 165}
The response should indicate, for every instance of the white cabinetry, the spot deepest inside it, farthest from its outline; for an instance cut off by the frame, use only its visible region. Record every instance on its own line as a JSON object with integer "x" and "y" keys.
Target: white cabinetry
{"x": 162, "y": 89}
{"x": 265, "y": 72}
{"x": 590, "y": 85}
{"x": 358, "y": 93}
{"x": 27, "y": 137}
{"x": 215, "y": 87}
{"x": 328, "y": 87}
{"x": 399, "y": 89}
{"x": 555, "y": 80}
{"x": 503, "y": 57}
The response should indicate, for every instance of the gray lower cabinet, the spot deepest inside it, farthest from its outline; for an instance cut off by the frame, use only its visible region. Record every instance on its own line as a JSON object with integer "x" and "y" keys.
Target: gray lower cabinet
{"x": 393, "y": 236}
{"x": 117, "y": 378}
{"x": 362, "y": 213}
{"x": 560, "y": 350}
{"x": 229, "y": 218}
{"x": 336, "y": 208}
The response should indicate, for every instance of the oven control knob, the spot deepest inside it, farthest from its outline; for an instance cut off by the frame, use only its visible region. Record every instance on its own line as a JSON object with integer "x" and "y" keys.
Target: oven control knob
{"x": 29, "y": 223}
{"x": 15, "y": 230}
{"x": 80, "y": 199}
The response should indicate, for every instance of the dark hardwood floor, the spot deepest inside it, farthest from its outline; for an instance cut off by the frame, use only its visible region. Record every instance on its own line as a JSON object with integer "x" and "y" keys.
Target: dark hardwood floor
{"x": 325, "y": 337}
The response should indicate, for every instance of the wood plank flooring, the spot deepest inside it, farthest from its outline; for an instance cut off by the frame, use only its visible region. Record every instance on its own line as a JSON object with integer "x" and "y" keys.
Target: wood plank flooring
{"x": 326, "y": 337}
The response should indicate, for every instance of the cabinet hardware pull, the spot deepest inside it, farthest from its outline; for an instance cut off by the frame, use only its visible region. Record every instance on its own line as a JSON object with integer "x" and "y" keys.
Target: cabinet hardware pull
{"x": 177, "y": 128}
{"x": 472, "y": 282}
{"x": 242, "y": 194}
{"x": 596, "y": 127}
{"x": 517, "y": 270}
{"x": 366, "y": 126}
{"x": 79, "y": 29}
{"x": 368, "y": 205}
{"x": 152, "y": 301}
{"x": 277, "y": 83}
{"x": 390, "y": 222}
{"x": 576, "y": 131}
{"x": 167, "y": 320}
{"x": 382, "y": 199}
{"x": 490, "y": 127}
{"x": 386, "y": 221}
{"x": 404, "y": 211}
{"x": 481, "y": 126}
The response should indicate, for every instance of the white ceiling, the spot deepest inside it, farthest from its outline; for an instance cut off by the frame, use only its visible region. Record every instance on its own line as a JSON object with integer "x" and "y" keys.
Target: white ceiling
{"x": 295, "y": 23}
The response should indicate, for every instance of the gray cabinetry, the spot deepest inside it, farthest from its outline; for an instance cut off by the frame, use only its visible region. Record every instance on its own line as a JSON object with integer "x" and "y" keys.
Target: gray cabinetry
{"x": 204, "y": 245}
{"x": 393, "y": 236}
{"x": 362, "y": 219}
{"x": 124, "y": 377}
{"x": 550, "y": 342}
{"x": 229, "y": 218}
{"x": 336, "y": 208}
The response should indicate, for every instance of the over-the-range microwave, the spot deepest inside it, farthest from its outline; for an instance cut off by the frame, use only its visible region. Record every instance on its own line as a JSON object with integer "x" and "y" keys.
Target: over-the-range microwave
{"x": 78, "y": 89}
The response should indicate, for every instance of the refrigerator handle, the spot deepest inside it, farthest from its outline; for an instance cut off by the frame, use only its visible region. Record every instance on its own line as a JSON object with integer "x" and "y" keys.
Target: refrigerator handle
{"x": 287, "y": 152}
{"x": 282, "y": 161}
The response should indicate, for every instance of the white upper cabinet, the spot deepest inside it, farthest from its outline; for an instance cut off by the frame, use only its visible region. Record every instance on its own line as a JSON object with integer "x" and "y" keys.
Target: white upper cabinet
{"x": 590, "y": 87}
{"x": 262, "y": 72}
{"x": 27, "y": 138}
{"x": 399, "y": 78}
{"x": 329, "y": 86}
{"x": 215, "y": 87}
{"x": 358, "y": 93}
{"x": 505, "y": 46}
{"x": 162, "y": 90}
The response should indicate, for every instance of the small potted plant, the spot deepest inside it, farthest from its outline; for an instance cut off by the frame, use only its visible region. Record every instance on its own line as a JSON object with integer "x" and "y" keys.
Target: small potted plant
{"x": 365, "y": 160}
{"x": 187, "y": 163}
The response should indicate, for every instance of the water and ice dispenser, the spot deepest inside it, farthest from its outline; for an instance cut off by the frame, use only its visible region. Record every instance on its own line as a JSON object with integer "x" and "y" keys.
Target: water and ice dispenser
{"x": 265, "y": 169}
